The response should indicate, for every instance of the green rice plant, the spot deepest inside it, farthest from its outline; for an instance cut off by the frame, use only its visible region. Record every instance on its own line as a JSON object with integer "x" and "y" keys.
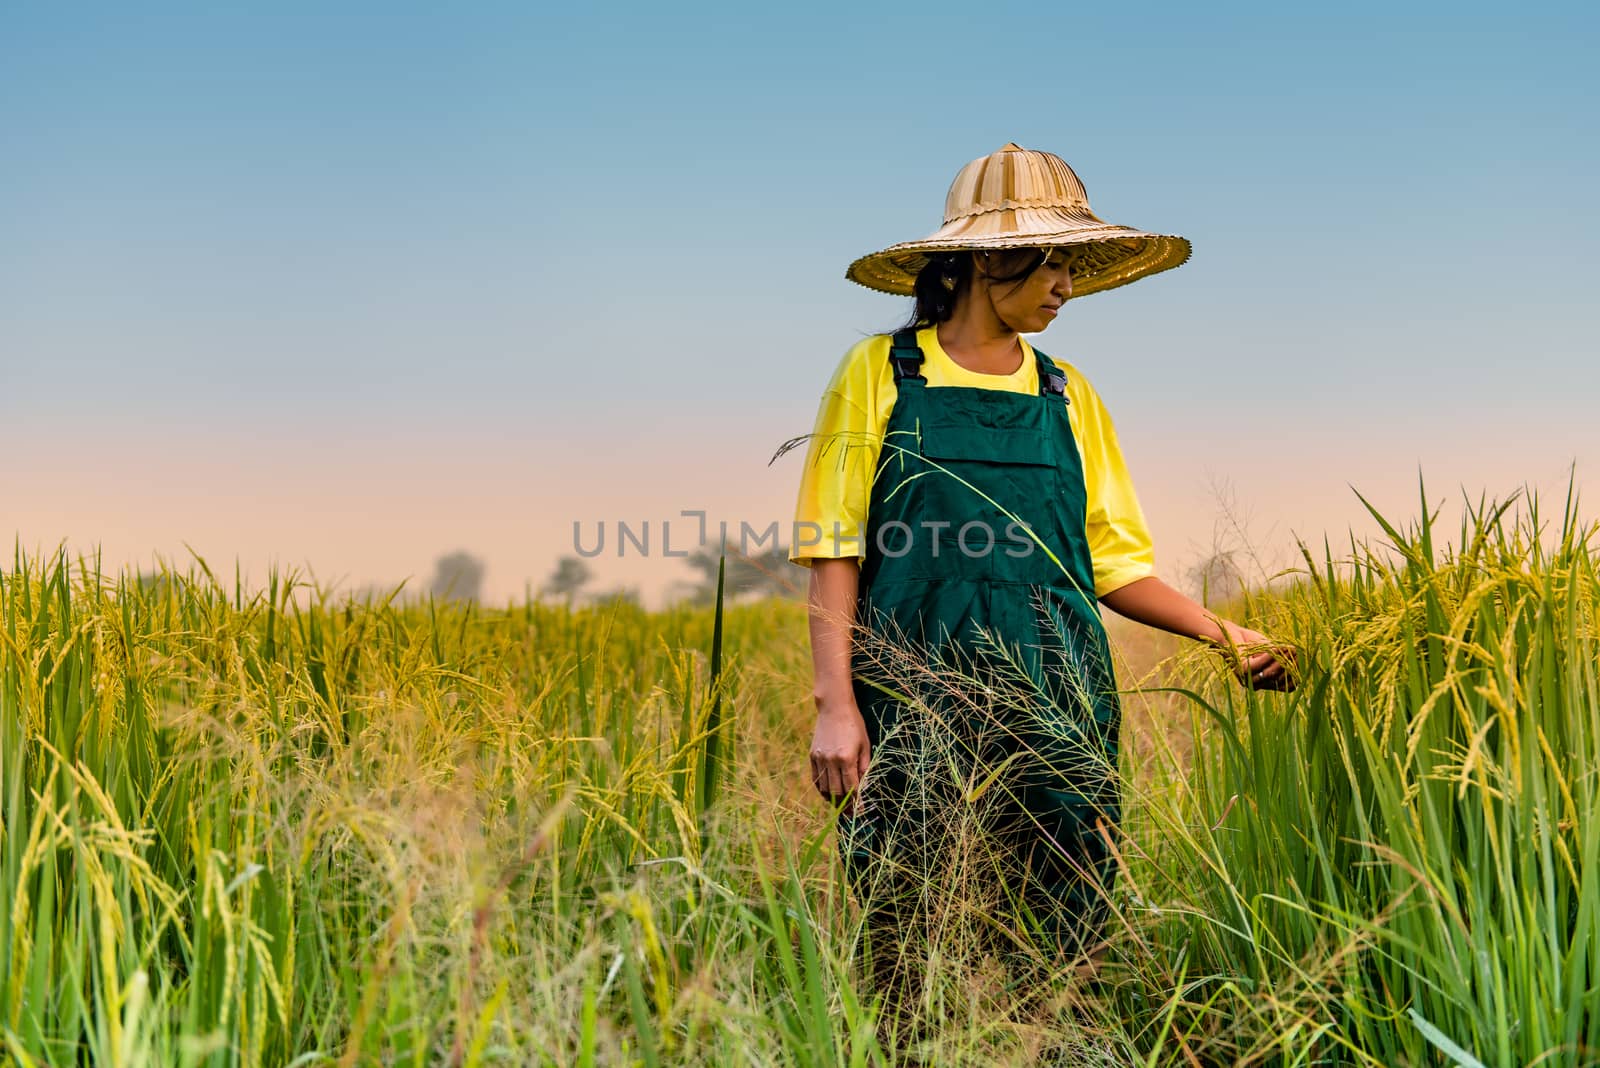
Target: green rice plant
{"x": 1393, "y": 865}
{"x": 280, "y": 826}
{"x": 275, "y": 827}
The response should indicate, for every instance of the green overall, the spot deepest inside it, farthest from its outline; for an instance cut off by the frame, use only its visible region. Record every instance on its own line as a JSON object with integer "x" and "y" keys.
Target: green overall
{"x": 982, "y": 670}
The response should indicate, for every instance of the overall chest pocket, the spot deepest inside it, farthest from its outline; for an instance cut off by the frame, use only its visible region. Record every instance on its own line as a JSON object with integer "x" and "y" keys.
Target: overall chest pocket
{"x": 1008, "y": 445}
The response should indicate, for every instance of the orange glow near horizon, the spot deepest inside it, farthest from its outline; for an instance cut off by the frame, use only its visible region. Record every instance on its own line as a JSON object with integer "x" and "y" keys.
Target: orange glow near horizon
{"x": 375, "y": 517}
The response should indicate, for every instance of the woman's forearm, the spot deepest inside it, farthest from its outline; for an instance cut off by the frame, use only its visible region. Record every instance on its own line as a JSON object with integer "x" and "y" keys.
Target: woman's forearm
{"x": 832, "y": 601}
{"x": 1155, "y": 604}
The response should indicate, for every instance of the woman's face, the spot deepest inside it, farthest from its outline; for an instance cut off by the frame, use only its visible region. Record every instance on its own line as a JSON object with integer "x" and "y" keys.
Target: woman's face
{"x": 1029, "y": 304}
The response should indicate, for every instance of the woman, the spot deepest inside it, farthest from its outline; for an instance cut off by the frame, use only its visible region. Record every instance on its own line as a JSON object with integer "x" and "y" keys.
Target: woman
{"x": 964, "y": 505}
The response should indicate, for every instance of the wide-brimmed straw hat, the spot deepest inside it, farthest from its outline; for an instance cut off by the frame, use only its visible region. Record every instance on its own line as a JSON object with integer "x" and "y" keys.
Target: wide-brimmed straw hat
{"x": 1021, "y": 198}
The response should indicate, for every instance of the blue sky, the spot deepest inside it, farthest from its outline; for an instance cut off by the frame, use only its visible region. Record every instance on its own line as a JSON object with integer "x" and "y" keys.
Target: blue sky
{"x": 591, "y": 259}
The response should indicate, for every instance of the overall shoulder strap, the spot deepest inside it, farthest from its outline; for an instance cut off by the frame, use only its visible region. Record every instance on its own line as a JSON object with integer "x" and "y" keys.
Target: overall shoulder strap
{"x": 1052, "y": 380}
{"x": 906, "y": 357}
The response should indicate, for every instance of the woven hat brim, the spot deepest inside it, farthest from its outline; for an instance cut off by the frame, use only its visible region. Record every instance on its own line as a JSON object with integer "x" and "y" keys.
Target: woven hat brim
{"x": 1113, "y": 256}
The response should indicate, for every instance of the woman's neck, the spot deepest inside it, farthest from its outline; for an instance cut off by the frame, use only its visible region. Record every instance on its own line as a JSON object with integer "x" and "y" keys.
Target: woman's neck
{"x": 980, "y": 342}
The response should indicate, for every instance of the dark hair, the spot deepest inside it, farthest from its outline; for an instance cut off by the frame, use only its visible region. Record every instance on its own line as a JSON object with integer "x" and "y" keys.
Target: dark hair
{"x": 944, "y": 278}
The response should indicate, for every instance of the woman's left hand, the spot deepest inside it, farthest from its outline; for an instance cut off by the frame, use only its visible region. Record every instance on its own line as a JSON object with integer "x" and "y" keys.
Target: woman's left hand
{"x": 1260, "y": 663}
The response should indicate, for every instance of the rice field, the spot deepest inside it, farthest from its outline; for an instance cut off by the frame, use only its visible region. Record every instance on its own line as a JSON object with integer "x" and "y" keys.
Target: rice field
{"x": 285, "y": 827}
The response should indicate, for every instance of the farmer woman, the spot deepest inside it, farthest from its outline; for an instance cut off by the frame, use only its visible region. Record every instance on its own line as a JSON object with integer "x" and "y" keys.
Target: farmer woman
{"x": 964, "y": 505}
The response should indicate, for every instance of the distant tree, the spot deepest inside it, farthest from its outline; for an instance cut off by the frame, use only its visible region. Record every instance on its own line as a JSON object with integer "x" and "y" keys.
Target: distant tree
{"x": 1217, "y": 579}
{"x": 619, "y": 595}
{"x": 457, "y": 577}
{"x": 153, "y": 582}
{"x": 765, "y": 574}
{"x": 570, "y": 576}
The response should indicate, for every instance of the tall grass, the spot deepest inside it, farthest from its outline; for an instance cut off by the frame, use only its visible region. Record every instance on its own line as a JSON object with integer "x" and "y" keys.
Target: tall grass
{"x": 1397, "y": 864}
{"x": 282, "y": 827}
{"x": 261, "y": 829}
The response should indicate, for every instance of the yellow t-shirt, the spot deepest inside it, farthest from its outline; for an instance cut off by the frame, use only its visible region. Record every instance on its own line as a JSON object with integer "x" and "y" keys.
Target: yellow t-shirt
{"x": 842, "y": 458}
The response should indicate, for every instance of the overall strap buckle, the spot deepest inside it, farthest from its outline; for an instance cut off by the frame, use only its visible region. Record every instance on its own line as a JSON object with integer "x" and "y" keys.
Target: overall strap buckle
{"x": 906, "y": 357}
{"x": 1052, "y": 380}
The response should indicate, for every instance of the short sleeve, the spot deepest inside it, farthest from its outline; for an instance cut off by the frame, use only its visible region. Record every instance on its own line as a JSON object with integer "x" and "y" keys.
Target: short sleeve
{"x": 1120, "y": 544}
{"x": 841, "y": 457}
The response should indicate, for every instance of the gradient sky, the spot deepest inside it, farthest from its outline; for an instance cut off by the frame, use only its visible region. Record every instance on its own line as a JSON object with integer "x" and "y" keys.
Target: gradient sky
{"x": 351, "y": 285}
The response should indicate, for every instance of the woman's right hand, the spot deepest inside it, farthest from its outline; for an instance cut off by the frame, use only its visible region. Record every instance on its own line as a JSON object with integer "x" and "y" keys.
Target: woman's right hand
{"x": 839, "y": 749}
